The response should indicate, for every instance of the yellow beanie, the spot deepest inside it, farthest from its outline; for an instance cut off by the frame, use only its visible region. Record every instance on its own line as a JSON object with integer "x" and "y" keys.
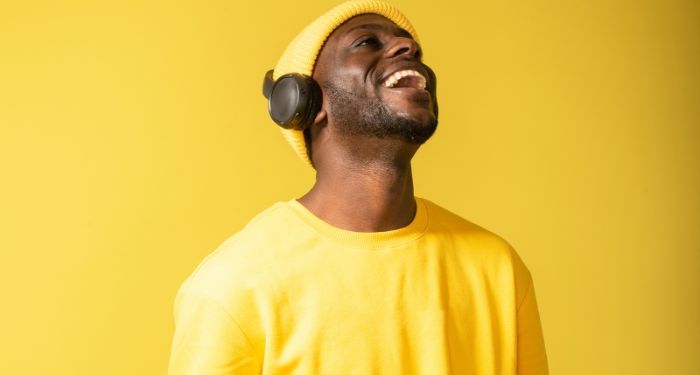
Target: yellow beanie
{"x": 300, "y": 55}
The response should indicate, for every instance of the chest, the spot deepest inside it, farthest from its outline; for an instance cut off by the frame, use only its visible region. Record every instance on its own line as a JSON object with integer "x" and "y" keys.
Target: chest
{"x": 420, "y": 307}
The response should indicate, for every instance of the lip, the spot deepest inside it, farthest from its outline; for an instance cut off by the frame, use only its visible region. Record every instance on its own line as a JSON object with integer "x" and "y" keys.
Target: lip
{"x": 406, "y": 66}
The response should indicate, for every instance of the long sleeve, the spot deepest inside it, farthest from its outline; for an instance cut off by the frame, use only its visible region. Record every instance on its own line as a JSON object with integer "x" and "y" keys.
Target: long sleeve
{"x": 532, "y": 356}
{"x": 207, "y": 339}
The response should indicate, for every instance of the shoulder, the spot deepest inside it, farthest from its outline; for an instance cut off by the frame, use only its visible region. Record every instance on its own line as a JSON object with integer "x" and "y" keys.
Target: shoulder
{"x": 242, "y": 259}
{"x": 444, "y": 221}
{"x": 477, "y": 241}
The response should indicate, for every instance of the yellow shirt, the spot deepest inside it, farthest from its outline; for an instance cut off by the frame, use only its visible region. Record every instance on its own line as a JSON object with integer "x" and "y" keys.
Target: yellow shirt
{"x": 292, "y": 294}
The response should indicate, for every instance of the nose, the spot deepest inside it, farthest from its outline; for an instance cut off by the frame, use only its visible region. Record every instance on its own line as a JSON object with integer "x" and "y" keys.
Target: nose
{"x": 404, "y": 46}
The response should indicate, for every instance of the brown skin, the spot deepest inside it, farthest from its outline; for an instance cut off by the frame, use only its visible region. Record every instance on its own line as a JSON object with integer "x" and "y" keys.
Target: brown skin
{"x": 364, "y": 183}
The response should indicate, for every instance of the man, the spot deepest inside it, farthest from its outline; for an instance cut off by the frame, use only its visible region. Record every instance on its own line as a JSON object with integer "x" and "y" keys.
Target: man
{"x": 359, "y": 275}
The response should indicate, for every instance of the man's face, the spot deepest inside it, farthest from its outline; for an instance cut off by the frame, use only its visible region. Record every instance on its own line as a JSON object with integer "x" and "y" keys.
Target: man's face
{"x": 375, "y": 83}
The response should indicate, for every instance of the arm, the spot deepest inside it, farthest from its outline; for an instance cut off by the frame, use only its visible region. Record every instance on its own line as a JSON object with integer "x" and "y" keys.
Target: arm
{"x": 207, "y": 339}
{"x": 532, "y": 357}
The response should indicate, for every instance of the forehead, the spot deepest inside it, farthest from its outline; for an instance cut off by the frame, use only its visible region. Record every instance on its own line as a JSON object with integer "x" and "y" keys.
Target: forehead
{"x": 367, "y": 22}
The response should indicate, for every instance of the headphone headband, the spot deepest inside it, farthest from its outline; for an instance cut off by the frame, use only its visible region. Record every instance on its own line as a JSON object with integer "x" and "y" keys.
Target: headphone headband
{"x": 268, "y": 82}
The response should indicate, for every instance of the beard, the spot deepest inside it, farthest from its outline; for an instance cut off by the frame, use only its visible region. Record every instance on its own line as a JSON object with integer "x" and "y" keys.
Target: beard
{"x": 355, "y": 114}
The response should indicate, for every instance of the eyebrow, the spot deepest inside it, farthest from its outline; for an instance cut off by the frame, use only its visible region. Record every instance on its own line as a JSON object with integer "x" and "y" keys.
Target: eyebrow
{"x": 377, "y": 26}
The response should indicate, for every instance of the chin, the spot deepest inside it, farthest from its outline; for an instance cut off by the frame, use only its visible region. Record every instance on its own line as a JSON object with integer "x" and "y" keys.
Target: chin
{"x": 415, "y": 129}
{"x": 415, "y": 110}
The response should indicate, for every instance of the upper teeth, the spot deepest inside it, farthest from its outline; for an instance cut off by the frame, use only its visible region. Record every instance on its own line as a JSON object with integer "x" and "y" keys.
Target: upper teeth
{"x": 391, "y": 81}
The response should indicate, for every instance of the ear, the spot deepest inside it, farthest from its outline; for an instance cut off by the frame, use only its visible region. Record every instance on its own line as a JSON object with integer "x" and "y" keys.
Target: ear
{"x": 321, "y": 101}
{"x": 321, "y": 117}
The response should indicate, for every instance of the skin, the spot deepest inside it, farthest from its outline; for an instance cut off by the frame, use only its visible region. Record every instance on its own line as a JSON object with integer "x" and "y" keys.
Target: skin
{"x": 364, "y": 183}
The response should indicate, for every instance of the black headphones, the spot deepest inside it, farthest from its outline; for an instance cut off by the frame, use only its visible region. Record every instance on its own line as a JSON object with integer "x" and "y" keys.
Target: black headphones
{"x": 293, "y": 99}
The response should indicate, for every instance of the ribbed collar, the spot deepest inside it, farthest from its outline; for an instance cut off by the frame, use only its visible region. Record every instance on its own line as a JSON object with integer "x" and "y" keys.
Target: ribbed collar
{"x": 391, "y": 238}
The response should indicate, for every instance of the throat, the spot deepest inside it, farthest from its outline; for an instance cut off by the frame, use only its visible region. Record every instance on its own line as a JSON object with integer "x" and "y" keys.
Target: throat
{"x": 363, "y": 202}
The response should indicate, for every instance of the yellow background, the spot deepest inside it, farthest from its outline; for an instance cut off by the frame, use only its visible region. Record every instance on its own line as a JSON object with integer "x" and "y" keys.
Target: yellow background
{"x": 134, "y": 139}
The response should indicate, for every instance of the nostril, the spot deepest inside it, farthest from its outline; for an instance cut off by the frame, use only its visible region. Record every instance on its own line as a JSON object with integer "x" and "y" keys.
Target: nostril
{"x": 419, "y": 54}
{"x": 402, "y": 50}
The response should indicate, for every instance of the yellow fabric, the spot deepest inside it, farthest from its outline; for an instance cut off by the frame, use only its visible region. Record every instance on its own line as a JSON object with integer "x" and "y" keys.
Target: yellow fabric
{"x": 300, "y": 55}
{"x": 291, "y": 294}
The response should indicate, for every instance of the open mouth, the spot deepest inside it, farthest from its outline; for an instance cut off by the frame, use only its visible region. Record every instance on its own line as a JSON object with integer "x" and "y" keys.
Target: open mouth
{"x": 407, "y": 78}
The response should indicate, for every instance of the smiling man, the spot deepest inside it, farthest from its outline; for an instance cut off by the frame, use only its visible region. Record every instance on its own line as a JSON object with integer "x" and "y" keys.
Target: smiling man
{"x": 358, "y": 275}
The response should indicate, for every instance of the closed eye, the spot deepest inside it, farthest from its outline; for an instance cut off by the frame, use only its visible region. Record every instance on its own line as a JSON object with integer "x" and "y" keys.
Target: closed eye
{"x": 371, "y": 41}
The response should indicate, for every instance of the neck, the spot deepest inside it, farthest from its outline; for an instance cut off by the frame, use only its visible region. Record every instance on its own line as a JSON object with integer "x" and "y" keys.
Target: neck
{"x": 368, "y": 197}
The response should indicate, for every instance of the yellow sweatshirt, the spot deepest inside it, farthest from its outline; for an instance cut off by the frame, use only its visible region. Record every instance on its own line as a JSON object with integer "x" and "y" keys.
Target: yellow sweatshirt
{"x": 292, "y": 294}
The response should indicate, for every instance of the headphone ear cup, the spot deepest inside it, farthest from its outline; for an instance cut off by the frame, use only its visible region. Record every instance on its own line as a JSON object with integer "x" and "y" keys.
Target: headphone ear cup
{"x": 294, "y": 101}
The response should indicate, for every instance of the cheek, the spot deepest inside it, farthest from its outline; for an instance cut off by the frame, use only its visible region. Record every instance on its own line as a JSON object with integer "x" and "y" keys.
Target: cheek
{"x": 354, "y": 74}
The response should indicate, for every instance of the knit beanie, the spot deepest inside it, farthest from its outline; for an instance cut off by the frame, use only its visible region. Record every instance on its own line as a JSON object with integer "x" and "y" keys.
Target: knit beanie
{"x": 300, "y": 55}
